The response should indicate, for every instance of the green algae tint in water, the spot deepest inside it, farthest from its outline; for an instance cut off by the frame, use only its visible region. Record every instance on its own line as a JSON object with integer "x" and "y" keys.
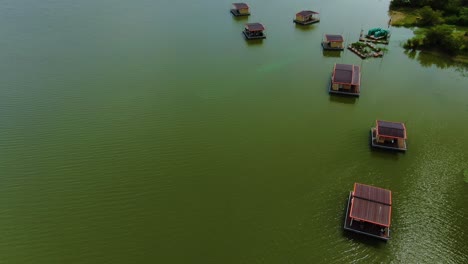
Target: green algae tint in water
{"x": 151, "y": 131}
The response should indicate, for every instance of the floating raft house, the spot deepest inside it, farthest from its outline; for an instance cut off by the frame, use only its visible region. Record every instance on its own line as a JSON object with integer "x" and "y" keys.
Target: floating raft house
{"x": 389, "y": 135}
{"x": 254, "y": 31}
{"x": 333, "y": 42}
{"x": 240, "y": 9}
{"x": 369, "y": 211}
{"x": 306, "y": 17}
{"x": 345, "y": 80}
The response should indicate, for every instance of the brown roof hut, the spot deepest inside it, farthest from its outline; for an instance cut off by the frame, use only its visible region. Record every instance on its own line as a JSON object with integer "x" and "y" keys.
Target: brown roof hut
{"x": 333, "y": 42}
{"x": 389, "y": 135}
{"x": 254, "y": 31}
{"x": 306, "y": 17}
{"x": 345, "y": 80}
{"x": 369, "y": 211}
{"x": 240, "y": 9}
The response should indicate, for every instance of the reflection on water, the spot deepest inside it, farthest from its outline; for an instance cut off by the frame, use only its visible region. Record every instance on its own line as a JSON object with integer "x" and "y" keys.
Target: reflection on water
{"x": 305, "y": 27}
{"x": 331, "y": 53}
{"x": 241, "y": 18}
{"x": 343, "y": 99}
{"x": 253, "y": 42}
{"x": 441, "y": 61}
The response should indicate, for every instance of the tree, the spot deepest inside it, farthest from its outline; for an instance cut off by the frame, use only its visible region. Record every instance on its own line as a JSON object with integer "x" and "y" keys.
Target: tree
{"x": 430, "y": 17}
{"x": 441, "y": 37}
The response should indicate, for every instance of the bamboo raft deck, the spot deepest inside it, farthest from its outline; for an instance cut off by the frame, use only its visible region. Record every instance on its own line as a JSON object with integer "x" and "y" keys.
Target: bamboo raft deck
{"x": 363, "y": 227}
{"x": 373, "y": 40}
{"x": 397, "y": 145}
{"x": 373, "y": 54}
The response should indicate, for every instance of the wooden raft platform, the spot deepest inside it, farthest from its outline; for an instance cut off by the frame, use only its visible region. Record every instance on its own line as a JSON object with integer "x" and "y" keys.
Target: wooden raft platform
{"x": 363, "y": 228}
{"x": 378, "y": 41}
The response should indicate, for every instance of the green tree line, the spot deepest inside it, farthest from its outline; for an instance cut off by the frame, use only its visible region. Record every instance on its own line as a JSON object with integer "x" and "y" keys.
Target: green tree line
{"x": 454, "y": 12}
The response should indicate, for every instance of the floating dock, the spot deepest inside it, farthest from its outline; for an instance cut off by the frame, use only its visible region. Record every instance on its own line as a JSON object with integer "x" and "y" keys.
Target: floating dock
{"x": 254, "y": 31}
{"x": 389, "y": 136}
{"x": 306, "y": 17}
{"x": 240, "y": 9}
{"x": 345, "y": 80}
{"x": 369, "y": 211}
{"x": 333, "y": 42}
{"x": 372, "y": 52}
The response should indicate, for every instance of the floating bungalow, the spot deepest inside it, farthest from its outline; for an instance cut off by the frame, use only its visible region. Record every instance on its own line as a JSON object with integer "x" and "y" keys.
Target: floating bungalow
{"x": 369, "y": 211}
{"x": 333, "y": 42}
{"x": 389, "y": 135}
{"x": 254, "y": 31}
{"x": 306, "y": 17}
{"x": 240, "y": 9}
{"x": 345, "y": 80}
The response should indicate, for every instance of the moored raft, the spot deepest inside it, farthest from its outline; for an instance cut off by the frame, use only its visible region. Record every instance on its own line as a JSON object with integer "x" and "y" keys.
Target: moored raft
{"x": 369, "y": 211}
{"x": 240, "y": 9}
{"x": 333, "y": 42}
{"x": 389, "y": 135}
{"x": 306, "y": 17}
{"x": 254, "y": 31}
{"x": 345, "y": 80}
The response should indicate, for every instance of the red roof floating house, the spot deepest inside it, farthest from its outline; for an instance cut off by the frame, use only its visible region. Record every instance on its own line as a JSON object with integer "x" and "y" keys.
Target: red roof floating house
{"x": 333, "y": 42}
{"x": 389, "y": 135}
{"x": 346, "y": 80}
{"x": 369, "y": 211}
{"x": 254, "y": 31}
{"x": 240, "y": 9}
{"x": 306, "y": 17}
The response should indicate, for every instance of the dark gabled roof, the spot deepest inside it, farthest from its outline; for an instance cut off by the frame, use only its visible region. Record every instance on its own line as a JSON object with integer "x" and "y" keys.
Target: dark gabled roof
{"x": 346, "y": 74}
{"x": 372, "y": 193}
{"x": 391, "y": 129}
{"x": 240, "y": 6}
{"x": 307, "y": 13}
{"x": 254, "y": 27}
{"x": 334, "y": 38}
{"x": 371, "y": 204}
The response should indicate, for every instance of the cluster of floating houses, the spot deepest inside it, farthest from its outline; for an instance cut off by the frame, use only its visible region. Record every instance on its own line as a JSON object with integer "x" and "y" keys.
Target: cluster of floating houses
{"x": 369, "y": 208}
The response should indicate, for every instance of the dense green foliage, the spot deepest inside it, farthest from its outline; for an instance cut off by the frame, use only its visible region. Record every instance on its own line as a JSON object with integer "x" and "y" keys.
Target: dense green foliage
{"x": 434, "y": 12}
{"x": 441, "y": 37}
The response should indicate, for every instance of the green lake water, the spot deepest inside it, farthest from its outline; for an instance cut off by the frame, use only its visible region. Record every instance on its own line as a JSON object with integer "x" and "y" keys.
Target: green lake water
{"x": 150, "y": 131}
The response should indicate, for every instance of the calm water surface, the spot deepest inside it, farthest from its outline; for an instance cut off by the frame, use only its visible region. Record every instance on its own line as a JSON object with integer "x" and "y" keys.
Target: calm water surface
{"x": 149, "y": 131}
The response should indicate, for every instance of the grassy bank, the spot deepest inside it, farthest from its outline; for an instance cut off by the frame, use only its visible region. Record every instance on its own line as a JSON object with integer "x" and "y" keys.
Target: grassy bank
{"x": 432, "y": 34}
{"x": 404, "y": 17}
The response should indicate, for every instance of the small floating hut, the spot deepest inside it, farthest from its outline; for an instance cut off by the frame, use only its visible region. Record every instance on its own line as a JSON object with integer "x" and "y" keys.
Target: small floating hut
{"x": 240, "y": 9}
{"x": 389, "y": 135}
{"x": 345, "y": 80}
{"x": 254, "y": 31}
{"x": 369, "y": 211}
{"x": 306, "y": 17}
{"x": 333, "y": 42}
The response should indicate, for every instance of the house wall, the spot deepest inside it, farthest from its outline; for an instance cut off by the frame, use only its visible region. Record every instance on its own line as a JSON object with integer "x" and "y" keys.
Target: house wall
{"x": 335, "y": 86}
{"x": 244, "y": 11}
{"x": 380, "y": 139}
{"x": 336, "y": 44}
{"x": 299, "y": 18}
